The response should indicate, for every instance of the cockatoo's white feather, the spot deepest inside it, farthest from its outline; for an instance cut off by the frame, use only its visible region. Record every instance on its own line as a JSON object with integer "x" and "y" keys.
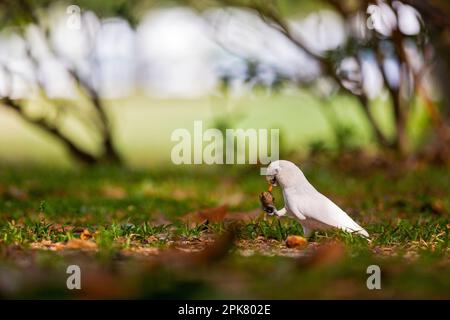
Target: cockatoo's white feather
{"x": 303, "y": 201}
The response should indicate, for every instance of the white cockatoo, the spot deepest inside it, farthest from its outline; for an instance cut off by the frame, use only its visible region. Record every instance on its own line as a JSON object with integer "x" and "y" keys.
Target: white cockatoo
{"x": 302, "y": 201}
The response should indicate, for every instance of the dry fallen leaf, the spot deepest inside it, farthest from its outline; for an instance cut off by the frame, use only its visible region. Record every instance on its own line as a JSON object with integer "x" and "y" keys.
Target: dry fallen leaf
{"x": 59, "y": 246}
{"x": 296, "y": 242}
{"x": 243, "y": 216}
{"x": 152, "y": 239}
{"x": 438, "y": 206}
{"x": 216, "y": 214}
{"x": 44, "y": 244}
{"x": 160, "y": 219}
{"x": 232, "y": 199}
{"x": 102, "y": 284}
{"x": 58, "y": 227}
{"x": 141, "y": 251}
{"x": 17, "y": 193}
{"x": 47, "y": 245}
{"x": 267, "y": 201}
{"x": 183, "y": 257}
{"x": 218, "y": 249}
{"x": 328, "y": 254}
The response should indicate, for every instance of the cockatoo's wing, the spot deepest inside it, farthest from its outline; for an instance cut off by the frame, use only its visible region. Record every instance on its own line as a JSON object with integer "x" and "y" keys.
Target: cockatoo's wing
{"x": 290, "y": 203}
{"x": 314, "y": 205}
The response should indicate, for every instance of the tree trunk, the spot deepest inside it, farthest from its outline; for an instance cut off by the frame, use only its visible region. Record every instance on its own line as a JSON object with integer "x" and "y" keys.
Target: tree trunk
{"x": 110, "y": 153}
{"x": 401, "y": 137}
{"x": 379, "y": 136}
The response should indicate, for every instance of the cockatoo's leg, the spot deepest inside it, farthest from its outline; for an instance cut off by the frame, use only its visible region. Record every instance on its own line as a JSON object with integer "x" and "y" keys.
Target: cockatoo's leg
{"x": 280, "y": 212}
{"x": 306, "y": 232}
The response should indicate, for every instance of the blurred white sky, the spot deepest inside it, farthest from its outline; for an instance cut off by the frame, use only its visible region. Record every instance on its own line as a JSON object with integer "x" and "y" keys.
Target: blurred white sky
{"x": 177, "y": 53}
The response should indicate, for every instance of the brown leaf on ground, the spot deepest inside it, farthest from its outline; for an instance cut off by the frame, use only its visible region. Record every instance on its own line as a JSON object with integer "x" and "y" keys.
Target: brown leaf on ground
{"x": 81, "y": 244}
{"x": 438, "y": 207}
{"x": 182, "y": 194}
{"x": 216, "y": 214}
{"x": 182, "y": 257}
{"x": 218, "y": 249}
{"x": 78, "y": 230}
{"x": 296, "y": 242}
{"x": 152, "y": 239}
{"x": 113, "y": 192}
{"x": 144, "y": 251}
{"x": 17, "y": 193}
{"x": 85, "y": 235}
{"x": 58, "y": 227}
{"x": 47, "y": 245}
{"x": 160, "y": 219}
{"x": 243, "y": 216}
{"x": 268, "y": 247}
{"x": 84, "y": 219}
{"x": 44, "y": 244}
{"x": 266, "y": 198}
{"x": 326, "y": 254}
{"x": 101, "y": 284}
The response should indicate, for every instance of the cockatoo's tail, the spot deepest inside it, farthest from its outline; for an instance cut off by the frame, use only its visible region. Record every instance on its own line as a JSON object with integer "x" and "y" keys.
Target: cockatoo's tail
{"x": 267, "y": 202}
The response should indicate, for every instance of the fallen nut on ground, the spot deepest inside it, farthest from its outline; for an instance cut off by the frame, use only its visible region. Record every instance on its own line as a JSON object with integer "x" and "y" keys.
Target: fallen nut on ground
{"x": 267, "y": 201}
{"x": 296, "y": 242}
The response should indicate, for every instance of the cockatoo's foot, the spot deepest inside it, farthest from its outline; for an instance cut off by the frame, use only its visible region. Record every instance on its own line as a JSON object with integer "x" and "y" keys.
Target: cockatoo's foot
{"x": 267, "y": 201}
{"x": 307, "y": 232}
{"x": 280, "y": 212}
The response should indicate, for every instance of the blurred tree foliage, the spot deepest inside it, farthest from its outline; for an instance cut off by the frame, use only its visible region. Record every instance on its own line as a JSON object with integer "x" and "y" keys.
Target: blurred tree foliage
{"x": 19, "y": 15}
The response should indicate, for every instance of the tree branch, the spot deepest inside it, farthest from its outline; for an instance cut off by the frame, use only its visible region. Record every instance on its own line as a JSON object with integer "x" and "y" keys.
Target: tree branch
{"x": 326, "y": 64}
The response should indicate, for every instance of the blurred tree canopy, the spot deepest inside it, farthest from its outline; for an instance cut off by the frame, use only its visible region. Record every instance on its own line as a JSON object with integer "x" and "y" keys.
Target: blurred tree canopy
{"x": 432, "y": 43}
{"x": 389, "y": 43}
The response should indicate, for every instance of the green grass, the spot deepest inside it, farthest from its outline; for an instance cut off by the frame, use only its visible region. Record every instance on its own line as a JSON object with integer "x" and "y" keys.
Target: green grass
{"x": 143, "y": 125}
{"x": 406, "y": 214}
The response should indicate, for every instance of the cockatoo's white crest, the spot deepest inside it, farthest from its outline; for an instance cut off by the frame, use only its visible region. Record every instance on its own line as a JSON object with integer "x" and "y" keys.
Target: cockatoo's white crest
{"x": 303, "y": 201}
